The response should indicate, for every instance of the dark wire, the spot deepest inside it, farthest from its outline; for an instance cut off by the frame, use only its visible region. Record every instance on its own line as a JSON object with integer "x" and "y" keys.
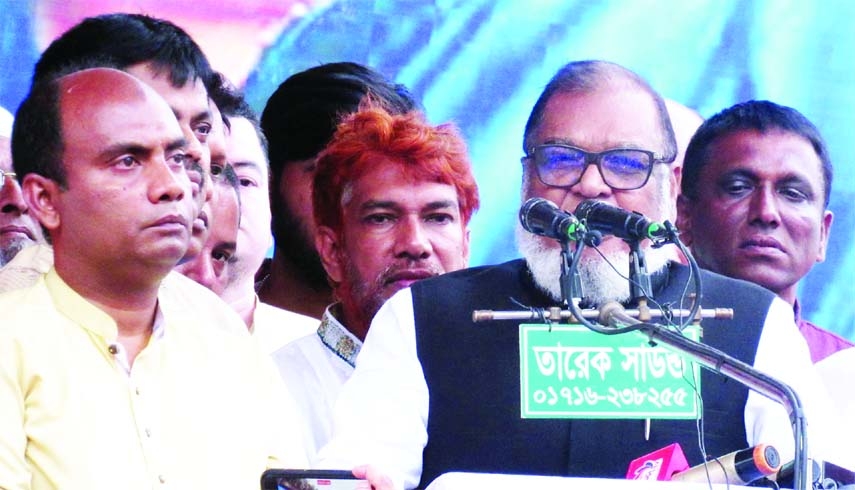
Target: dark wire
{"x": 699, "y": 422}
{"x": 694, "y": 274}
{"x": 666, "y": 311}
{"x": 571, "y": 305}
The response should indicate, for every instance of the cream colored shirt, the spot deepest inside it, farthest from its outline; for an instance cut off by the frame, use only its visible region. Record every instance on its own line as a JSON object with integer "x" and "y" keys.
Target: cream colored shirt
{"x": 200, "y": 407}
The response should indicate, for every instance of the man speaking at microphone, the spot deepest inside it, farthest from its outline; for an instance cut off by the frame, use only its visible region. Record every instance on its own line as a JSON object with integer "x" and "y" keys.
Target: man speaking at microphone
{"x": 435, "y": 392}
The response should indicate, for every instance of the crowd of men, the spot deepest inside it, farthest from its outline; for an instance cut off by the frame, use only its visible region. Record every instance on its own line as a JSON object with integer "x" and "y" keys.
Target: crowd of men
{"x": 146, "y": 340}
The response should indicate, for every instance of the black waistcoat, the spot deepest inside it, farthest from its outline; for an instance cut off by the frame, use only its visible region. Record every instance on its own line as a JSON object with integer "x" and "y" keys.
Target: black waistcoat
{"x": 472, "y": 373}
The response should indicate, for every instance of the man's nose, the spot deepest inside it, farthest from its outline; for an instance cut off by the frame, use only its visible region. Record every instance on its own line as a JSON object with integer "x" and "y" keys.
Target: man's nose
{"x": 166, "y": 183}
{"x": 11, "y": 197}
{"x": 591, "y": 184}
{"x": 764, "y": 207}
{"x": 412, "y": 239}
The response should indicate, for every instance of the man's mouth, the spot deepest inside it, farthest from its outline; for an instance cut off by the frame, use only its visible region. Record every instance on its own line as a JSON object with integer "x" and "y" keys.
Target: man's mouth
{"x": 405, "y": 278}
{"x": 760, "y": 243}
{"x": 17, "y": 230}
{"x": 174, "y": 222}
{"x": 200, "y": 224}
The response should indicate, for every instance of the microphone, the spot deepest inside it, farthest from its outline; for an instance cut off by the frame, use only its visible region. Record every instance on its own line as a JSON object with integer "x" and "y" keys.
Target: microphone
{"x": 823, "y": 473}
{"x": 660, "y": 465}
{"x": 737, "y": 468}
{"x": 542, "y": 217}
{"x": 611, "y": 220}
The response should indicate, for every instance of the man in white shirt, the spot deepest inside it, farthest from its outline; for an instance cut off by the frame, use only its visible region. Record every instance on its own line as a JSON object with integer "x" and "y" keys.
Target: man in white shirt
{"x": 392, "y": 196}
{"x": 246, "y": 150}
{"x": 435, "y": 392}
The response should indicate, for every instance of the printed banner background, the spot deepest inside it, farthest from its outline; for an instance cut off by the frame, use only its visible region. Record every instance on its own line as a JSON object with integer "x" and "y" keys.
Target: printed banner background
{"x": 482, "y": 63}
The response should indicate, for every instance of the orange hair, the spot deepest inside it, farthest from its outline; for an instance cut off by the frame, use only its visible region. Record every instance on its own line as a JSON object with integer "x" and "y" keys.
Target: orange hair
{"x": 424, "y": 152}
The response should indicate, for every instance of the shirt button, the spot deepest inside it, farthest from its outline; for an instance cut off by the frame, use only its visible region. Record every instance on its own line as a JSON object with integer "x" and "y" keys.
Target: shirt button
{"x": 137, "y": 390}
{"x": 161, "y": 478}
{"x": 148, "y": 432}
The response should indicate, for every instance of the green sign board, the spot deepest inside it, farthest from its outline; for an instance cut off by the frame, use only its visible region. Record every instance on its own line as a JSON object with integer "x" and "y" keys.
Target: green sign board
{"x": 569, "y": 371}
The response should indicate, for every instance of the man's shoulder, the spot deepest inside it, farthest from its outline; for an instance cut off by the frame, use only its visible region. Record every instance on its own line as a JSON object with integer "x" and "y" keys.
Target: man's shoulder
{"x": 274, "y": 327}
{"x": 268, "y": 314}
{"x": 716, "y": 285}
{"x": 307, "y": 361}
{"x": 26, "y": 307}
{"x": 307, "y": 349}
{"x": 822, "y": 342}
{"x": 192, "y": 304}
{"x": 484, "y": 274}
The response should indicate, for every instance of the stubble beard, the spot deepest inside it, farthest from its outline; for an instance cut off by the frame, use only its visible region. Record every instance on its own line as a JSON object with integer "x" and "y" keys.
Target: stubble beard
{"x": 295, "y": 243}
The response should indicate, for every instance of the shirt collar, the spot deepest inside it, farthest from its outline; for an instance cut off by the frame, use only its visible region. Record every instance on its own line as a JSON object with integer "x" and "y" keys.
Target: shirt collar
{"x": 79, "y": 310}
{"x": 337, "y": 338}
{"x": 797, "y": 311}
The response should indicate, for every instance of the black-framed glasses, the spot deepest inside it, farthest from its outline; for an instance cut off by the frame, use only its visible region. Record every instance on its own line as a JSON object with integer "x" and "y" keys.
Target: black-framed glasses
{"x": 622, "y": 169}
{"x": 4, "y": 175}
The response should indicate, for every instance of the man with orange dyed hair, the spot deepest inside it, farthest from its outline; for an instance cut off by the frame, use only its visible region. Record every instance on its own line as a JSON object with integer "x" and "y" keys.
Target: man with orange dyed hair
{"x": 392, "y": 199}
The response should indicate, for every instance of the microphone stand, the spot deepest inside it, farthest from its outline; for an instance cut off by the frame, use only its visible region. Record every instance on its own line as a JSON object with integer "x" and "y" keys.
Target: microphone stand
{"x": 614, "y": 315}
{"x": 619, "y": 320}
{"x": 639, "y": 278}
{"x": 571, "y": 283}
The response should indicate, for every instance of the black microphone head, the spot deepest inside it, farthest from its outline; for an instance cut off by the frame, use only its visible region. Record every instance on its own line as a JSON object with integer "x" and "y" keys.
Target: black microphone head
{"x": 537, "y": 214}
{"x": 612, "y": 220}
{"x": 586, "y": 207}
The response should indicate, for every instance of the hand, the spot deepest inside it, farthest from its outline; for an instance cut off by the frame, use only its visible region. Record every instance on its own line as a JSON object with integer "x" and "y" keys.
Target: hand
{"x": 375, "y": 479}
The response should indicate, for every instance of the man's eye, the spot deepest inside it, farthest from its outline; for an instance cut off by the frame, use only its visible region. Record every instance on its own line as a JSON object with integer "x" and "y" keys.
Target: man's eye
{"x": 735, "y": 187}
{"x": 441, "y": 218}
{"x": 127, "y": 161}
{"x": 378, "y": 219}
{"x": 221, "y": 256}
{"x": 179, "y": 159}
{"x": 793, "y": 194}
{"x": 202, "y": 131}
{"x": 244, "y": 182}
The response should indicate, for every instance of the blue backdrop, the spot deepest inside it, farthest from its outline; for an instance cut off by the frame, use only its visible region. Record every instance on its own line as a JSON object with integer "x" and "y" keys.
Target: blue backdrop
{"x": 482, "y": 64}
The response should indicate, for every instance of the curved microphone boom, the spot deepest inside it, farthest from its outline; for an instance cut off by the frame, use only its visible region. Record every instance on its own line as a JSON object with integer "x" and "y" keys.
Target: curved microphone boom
{"x": 611, "y": 220}
{"x": 542, "y": 217}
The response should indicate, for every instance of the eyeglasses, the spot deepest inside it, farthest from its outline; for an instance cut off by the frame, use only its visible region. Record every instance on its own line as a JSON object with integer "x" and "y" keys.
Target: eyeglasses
{"x": 622, "y": 169}
{"x": 4, "y": 175}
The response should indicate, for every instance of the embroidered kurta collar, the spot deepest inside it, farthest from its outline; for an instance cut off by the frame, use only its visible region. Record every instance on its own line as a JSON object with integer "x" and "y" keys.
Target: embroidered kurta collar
{"x": 337, "y": 338}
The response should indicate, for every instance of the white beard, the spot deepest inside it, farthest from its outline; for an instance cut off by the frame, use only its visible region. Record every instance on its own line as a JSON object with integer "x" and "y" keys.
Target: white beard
{"x": 603, "y": 279}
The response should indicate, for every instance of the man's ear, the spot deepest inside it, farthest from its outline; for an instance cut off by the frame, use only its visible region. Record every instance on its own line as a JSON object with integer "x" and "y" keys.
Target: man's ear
{"x": 466, "y": 247}
{"x": 676, "y": 179}
{"x": 684, "y": 219}
{"x": 675, "y": 176}
{"x": 332, "y": 253}
{"x": 42, "y": 195}
{"x": 824, "y": 231}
